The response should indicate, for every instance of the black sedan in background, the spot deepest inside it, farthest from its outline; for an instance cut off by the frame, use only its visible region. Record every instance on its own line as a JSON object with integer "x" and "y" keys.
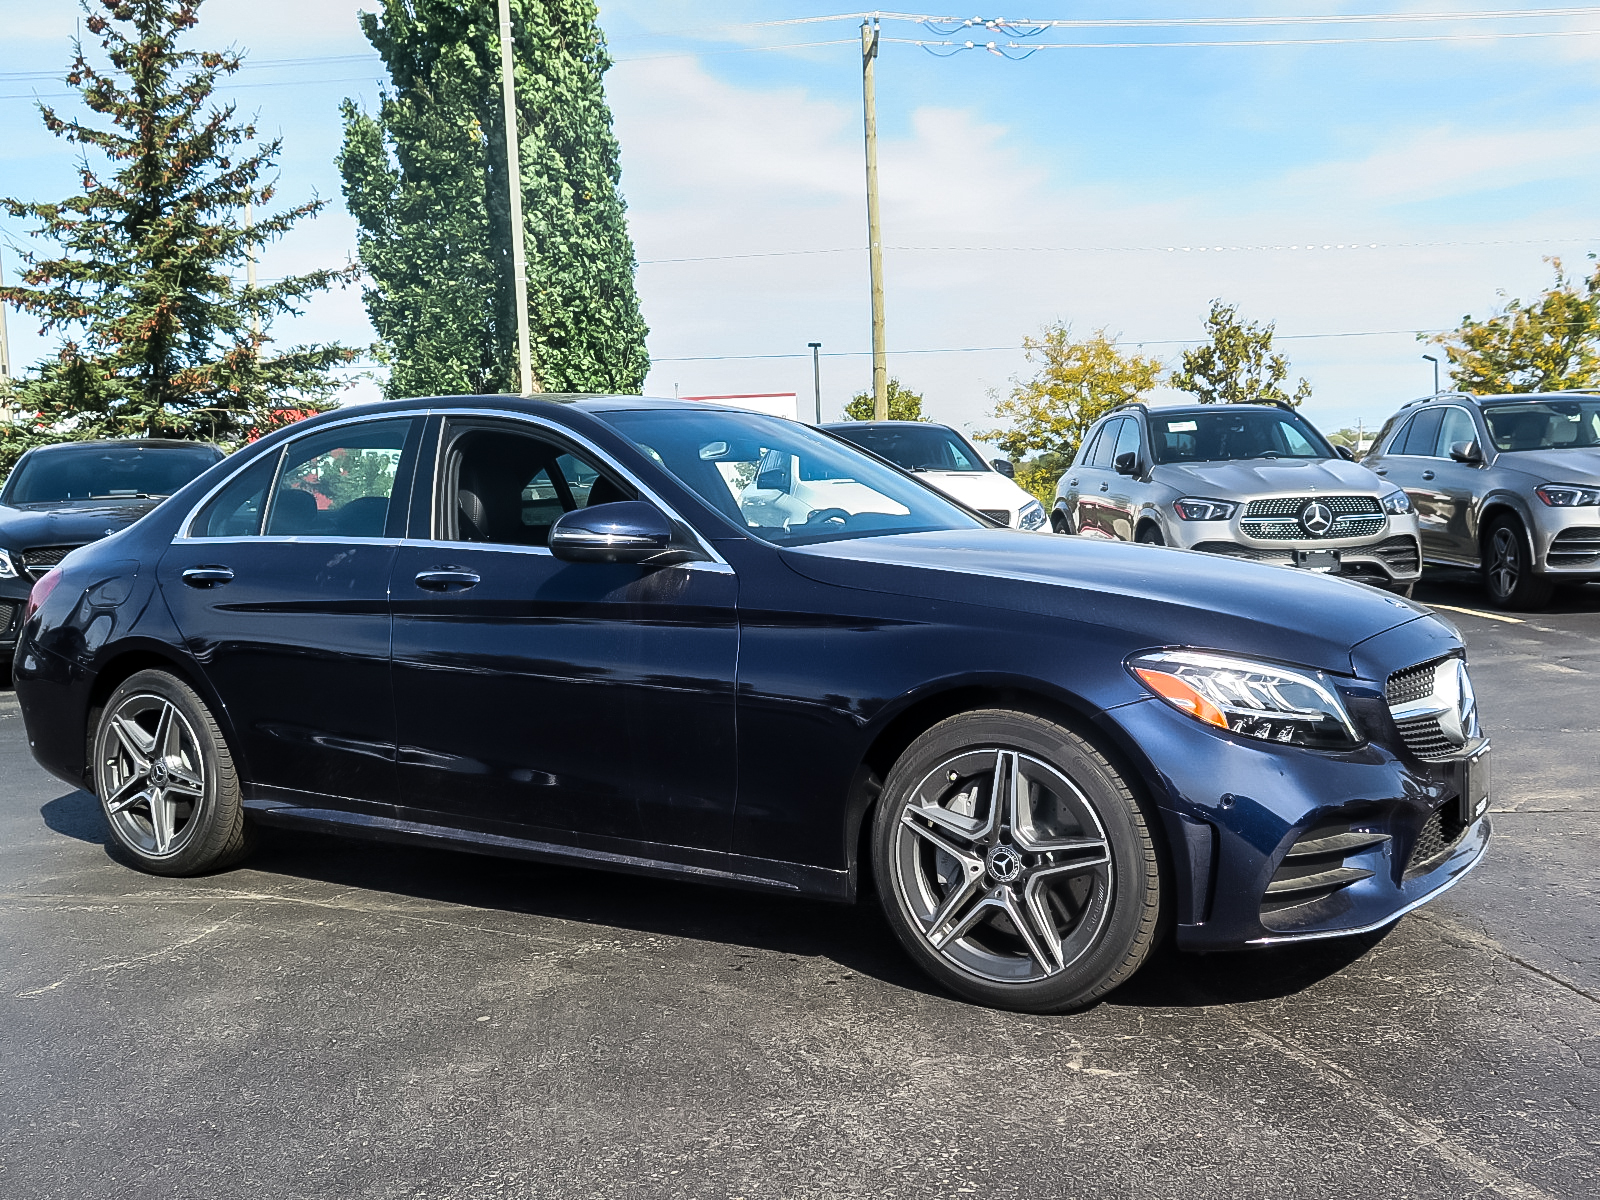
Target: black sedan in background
{"x": 58, "y": 498}
{"x": 609, "y": 631}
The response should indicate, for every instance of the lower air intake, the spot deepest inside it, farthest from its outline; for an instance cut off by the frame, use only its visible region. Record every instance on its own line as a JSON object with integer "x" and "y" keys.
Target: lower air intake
{"x": 1314, "y": 868}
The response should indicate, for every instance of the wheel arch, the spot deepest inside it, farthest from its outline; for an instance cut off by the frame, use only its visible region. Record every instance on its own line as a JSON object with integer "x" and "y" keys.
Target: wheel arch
{"x": 127, "y": 660}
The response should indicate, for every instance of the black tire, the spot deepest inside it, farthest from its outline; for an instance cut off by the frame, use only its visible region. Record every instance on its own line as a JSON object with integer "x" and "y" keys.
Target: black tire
{"x": 1059, "y": 521}
{"x": 1508, "y": 575}
{"x": 166, "y": 779}
{"x": 1102, "y": 895}
{"x": 1149, "y": 535}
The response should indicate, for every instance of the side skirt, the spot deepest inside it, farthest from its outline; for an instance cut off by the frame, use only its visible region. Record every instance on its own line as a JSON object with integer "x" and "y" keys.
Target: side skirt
{"x": 727, "y": 870}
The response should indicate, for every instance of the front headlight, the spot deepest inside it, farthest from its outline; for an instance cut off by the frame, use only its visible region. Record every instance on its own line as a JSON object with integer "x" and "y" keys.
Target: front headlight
{"x": 1397, "y": 504}
{"x": 1032, "y": 516}
{"x": 8, "y": 569}
{"x": 1258, "y": 700}
{"x": 1567, "y": 495}
{"x": 1204, "y": 510}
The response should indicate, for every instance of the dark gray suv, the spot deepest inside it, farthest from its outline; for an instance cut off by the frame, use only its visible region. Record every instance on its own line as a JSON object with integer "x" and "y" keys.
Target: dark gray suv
{"x": 1509, "y": 485}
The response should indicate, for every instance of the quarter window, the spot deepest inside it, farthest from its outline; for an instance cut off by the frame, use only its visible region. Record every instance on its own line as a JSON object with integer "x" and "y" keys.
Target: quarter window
{"x": 236, "y": 510}
{"x": 1105, "y": 447}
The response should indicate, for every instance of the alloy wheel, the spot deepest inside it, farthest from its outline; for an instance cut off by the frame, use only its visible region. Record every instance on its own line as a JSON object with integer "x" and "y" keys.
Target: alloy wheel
{"x": 151, "y": 774}
{"x": 1505, "y": 561}
{"x": 1003, "y": 865}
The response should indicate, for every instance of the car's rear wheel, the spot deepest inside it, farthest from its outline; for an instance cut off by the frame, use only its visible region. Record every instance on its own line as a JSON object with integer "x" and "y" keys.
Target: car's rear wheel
{"x": 1015, "y": 863}
{"x": 166, "y": 779}
{"x": 1508, "y": 567}
{"x": 1059, "y": 521}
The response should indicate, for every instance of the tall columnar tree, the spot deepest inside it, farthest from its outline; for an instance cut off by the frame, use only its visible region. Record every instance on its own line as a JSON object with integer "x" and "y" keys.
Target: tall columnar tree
{"x": 424, "y": 178}
{"x": 1237, "y": 366}
{"x": 1546, "y": 345}
{"x": 158, "y": 337}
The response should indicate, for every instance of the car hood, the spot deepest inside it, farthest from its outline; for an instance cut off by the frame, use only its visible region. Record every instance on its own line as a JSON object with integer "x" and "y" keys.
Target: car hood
{"x": 977, "y": 489}
{"x": 1577, "y": 465}
{"x": 71, "y": 523}
{"x": 1151, "y": 595}
{"x": 1269, "y": 477}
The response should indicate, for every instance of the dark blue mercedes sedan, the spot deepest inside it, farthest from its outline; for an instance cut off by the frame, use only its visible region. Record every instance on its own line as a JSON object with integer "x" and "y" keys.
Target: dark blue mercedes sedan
{"x": 660, "y": 637}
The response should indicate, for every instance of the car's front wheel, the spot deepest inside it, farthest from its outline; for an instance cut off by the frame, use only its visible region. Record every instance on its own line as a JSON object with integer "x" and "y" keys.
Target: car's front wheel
{"x": 166, "y": 779}
{"x": 1015, "y": 863}
{"x": 1508, "y": 567}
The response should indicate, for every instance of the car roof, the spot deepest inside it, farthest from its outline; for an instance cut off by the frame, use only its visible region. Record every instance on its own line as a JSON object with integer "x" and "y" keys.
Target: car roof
{"x": 1503, "y": 397}
{"x": 1184, "y": 410}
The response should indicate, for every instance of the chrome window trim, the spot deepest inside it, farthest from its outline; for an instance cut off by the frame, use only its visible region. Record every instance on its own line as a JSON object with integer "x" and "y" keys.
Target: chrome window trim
{"x": 720, "y": 568}
{"x": 560, "y": 432}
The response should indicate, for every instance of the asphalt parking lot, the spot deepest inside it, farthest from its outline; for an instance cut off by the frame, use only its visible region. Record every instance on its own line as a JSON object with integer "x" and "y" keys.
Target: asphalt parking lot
{"x": 342, "y": 1019}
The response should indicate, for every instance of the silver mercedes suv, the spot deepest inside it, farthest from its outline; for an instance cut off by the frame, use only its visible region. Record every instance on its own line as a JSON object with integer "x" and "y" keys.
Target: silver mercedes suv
{"x": 1509, "y": 485}
{"x": 1247, "y": 480}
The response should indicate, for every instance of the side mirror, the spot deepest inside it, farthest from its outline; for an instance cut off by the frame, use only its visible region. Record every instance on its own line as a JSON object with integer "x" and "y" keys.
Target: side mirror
{"x": 1465, "y": 452}
{"x": 628, "y": 531}
{"x": 1127, "y": 463}
{"x": 1345, "y": 453}
{"x": 1003, "y": 465}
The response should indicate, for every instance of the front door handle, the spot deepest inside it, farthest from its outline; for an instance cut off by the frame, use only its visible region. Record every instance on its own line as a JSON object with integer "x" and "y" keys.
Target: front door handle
{"x": 446, "y": 581}
{"x": 1427, "y": 474}
{"x": 206, "y": 577}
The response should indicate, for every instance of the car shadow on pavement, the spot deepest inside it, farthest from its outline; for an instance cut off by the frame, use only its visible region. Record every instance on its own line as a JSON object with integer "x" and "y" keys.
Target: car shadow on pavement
{"x": 1463, "y": 589}
{"x": 856, "y": 937}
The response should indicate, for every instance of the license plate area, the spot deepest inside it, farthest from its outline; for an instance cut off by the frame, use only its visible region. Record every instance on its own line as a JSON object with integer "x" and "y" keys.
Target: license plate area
{"x": 1476, "y": 784}
{"x": 1317, "y": 560}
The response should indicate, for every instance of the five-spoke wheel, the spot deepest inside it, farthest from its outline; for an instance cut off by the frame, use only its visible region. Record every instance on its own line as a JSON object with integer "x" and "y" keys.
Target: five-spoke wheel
{"x": 165, "y": 778}
{"x": 1015, "y": 863}
{"x": 1507, "y": 569}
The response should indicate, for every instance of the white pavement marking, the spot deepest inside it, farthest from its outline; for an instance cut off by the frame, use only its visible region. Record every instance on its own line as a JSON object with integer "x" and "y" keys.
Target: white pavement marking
{"x": 1472, "y": 612}
{"x": 128, "y": 962}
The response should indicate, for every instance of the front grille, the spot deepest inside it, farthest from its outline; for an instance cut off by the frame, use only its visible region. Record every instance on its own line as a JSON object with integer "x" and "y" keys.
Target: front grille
{"x": 1413, "y": 683}
{"x": 1421, "y": 734}
{"x": 1252, "y": 553}
{"x": 1290, "y": 506}
{"x": 1315, "y": 867}
{"x": 41, "y": 558}
{"x": 1439, "y": 833}
{"x": 997, "y": 514}
{"x": 1575, "y": 547}
{"x": 1425, "y": 739}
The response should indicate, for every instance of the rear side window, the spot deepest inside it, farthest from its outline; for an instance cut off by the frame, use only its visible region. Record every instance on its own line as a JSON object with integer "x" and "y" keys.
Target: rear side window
{"x": 1105, "y": 447}
{"x": 338, "y": 483}
{"x": 236, "y": 510}
{"x": 1422, "y": 435}
{"x": 1086, "y": 450}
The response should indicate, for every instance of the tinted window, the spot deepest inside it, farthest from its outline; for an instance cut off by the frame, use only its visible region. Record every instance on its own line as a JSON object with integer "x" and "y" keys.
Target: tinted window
{"x": 506, "y": 487}
{"x": 1226, "y": 435}
{"x": 1087, "y": 448}
{"x": 783, "y": 482}
{"x": 917, "y": 448}
{"x": 1127, "y": 440}
{"x": 1105, "y": 446}
{"x": 1456, "y": 427}
{"x": 1422, "y": 435}
{"x": 236, "y": 510}
{"x": 338, "y": 483}
{"x": 94, "y": 471}
{"x": 1544, "y": 424}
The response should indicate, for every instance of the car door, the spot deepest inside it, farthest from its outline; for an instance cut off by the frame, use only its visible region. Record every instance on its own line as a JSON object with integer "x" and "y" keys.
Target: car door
{"x": 1094, "y": 483}
{"x": 1451, "y": 535}
{"x": 576, "y": 699}
{"x": 279, "y": 588}
{"x": 1409, "y": 463}
{"x": 1121, "y": 498}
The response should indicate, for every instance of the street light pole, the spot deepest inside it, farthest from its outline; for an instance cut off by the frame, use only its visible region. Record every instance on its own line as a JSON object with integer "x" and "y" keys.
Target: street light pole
{"x": 869, "y": 109}
{"x": 816, "y": 375}
{"x": 519, "y": 253}
{"x": 5, "y": 342}
{"x": 1435, "y": 362}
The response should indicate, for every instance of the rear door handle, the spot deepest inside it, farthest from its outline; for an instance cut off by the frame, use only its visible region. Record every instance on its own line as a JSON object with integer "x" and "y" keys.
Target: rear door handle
{"x": 1427, "y": 474}
{"x": 446, "y": 581}
{"x": 205, "y": 577}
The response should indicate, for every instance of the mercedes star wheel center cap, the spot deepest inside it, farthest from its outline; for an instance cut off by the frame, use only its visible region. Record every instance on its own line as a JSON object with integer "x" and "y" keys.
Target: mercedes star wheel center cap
{"x": 1316, "y": 518}
{"x": 158, "y": 772}
{"x": 1005, "y": 864}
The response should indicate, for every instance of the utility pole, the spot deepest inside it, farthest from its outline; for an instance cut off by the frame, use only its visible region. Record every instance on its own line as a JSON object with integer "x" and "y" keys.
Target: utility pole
{"x": 816, "y": 375}
{"x": 869, "y": 108}
{"x": 5, "y": 341}
{"x": 519, "y": 252}
{"x": 250, "y": 267}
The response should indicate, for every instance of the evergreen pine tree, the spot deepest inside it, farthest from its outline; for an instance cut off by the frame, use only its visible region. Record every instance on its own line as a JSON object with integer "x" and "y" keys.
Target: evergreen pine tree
{"x": 167, "y": 343}
{"x": 424, "y": 178}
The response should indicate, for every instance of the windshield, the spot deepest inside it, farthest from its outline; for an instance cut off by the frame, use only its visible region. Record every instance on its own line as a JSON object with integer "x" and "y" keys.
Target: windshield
{"x": 1224, "y": 436}
{"x": 1544, "y": 424}
{"x": 101, "y": 472}
{"x": 916, "y": 448}
{"x": 784, "y": 482}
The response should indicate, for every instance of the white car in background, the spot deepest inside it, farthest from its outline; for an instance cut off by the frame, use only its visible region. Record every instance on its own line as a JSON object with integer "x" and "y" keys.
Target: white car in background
{"x": 945, "y": 460}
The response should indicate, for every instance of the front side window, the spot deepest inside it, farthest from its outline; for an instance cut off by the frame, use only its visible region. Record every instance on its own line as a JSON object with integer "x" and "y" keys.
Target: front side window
{"x": 1229, "y": 436}
{"x": 1544, "y": 424}
{"x": 506, "y": 487}
{"x": 338, "y": 483}
{"x": 783, "y": 482}
{"x": 1127, "y": 440}
{"x": 96, "y": 471}
{"x": 917, "y": 447}
{"x": 1456, "y": 427}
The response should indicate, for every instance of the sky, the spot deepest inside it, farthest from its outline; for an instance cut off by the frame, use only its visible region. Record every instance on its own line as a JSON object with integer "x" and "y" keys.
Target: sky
{"x": 1113, "y": 179}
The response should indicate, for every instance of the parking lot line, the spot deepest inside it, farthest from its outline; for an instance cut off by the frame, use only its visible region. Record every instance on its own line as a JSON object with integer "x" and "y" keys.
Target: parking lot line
{"x": 1473, "y": 612}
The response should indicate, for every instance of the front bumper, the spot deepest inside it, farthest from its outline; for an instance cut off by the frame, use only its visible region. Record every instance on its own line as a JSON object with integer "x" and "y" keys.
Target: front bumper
{"x": 1392, "y": 556}
{"x": 13, "y": 603}
{"x": 1566, "y": 541}
{"x": 1233, "y": 809}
